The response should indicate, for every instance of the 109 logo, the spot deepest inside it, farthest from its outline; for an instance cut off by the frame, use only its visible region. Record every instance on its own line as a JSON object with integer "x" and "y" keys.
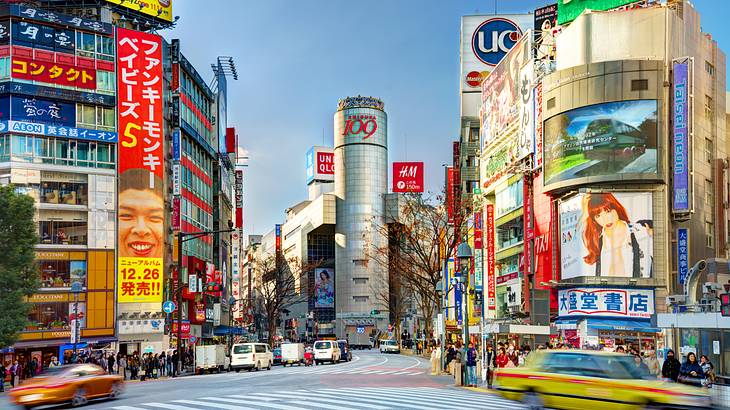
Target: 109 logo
{"x": 360, "y": 124}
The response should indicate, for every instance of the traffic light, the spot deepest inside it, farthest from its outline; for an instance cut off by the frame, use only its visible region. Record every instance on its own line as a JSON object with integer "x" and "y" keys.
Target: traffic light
{"x": 212, "y": 287}
{"x": 725, "y": 304}
{"x": 374, "y": 312}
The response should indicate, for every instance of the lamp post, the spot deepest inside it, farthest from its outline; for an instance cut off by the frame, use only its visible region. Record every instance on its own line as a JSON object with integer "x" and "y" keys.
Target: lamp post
{"x": 76, "y": 288}
{"x": 464, "y": 255}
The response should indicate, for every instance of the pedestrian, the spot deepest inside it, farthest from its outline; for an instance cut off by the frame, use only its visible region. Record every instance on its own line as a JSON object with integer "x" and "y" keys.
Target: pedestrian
{"x": 620, "y": 349}
{"x": 110, "y": 363}
{"x": 103, "y": 362}
{"x": 640, "y": 365}
{"x": 163, "y": 364}
{"x": 502, "y": 360}
{"x": 491, "y": 362}
{"x": 15, "y": 371}
{"x": 471, "y": 366}
{"x": 450, "y": 354}
{"x": 175, "y": 360}
{"x": 691, "y": 372}
{"x": 671, "y": 366}
{"x": 3, "y": 375}
{"x": 122, "y": 366}
{"x": 708, "y": 370}
{"x": 54, "y": 362}
{"x": 652, "y": 363}
{"x": 435, "y": 359}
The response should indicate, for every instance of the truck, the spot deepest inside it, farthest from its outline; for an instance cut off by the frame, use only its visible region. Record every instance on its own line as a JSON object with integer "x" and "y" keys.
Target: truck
{"x": 211, "y": 358}
{"x": 360, "y": 341}
{"x": 292, "y": 353}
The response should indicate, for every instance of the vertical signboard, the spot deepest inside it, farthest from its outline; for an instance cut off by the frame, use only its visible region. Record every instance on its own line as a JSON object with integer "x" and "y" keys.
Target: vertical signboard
{"x": 681, "y": 199}
{"x": 489, "y": 258}
{"x": 478, "y": 251}
{"x": 176, "y": 213}
{"x": 538, "y": 124}
{"x": 277, "y": 231}
{"x": 239, "y": 198}
{"x": 141, "y": 167}
{"x": 450, "y": 194}
{"x": 682, "y": 254}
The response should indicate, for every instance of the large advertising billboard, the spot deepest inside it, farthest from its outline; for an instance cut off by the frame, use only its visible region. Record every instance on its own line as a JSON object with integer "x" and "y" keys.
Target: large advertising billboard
{"x": 53, "y": 73}
{"x": 681, "y": 122}
{"x": 485, "y": 40}
{"x": 141, "y": 240}
{"x": 407, "y": 176}
{"x": 546, "y": 28}
{"x": 607, "y": 235}
{"x": 603, "y": 140}
{"x": 324, "y": 287}
{"x": 320, "y": 164}
{"x": 161, "y": 9}
{"x": 569, "y": 10}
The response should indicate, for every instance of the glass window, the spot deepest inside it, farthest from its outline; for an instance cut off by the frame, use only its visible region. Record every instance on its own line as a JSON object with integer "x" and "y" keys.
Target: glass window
{"x": 63, "y": 232}
{"x": 709, "y": 234}
{"x": 709, "y": 150}
{"x": 48, "y": 315}
{"x": 85, "y": 44}
{"x": 105, "y": 47}
{"x": 67, "y": 193}
{"x": 709, "y": 193}
{"x": 22, "y": 149}
{"x": 105, "y": 82}
{"x": 106, "y": 118}
{"x": 509, "y": 199}
{"x": 4, "y": 67}
{"x": 64, "y": 152}
{"x": 61, "y": 273}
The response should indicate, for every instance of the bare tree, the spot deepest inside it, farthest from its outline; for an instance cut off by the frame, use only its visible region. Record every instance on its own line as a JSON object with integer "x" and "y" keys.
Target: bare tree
{"x": 282, "y": 285}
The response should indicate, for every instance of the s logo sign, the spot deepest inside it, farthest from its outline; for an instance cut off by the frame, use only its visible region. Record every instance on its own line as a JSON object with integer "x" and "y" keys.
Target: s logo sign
{"x": 493, "y": 39}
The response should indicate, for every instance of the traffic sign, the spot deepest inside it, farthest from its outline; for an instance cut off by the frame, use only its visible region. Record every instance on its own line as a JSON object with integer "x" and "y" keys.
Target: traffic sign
{"x": 193, "y": 339}
{"x": 361, "y": 329}
{"x": 168, "y": 306}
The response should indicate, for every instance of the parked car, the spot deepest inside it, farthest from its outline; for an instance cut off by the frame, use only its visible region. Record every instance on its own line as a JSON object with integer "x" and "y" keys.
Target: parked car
{"x": 389, "y": 346}
{"x": 251, "y": 356}
{"x": 345, "y": 353}
{"x": 292, "y": 353}
{"x": 361, "y": 341}
{"x": 74, "y": 384}
{"x": 326, "y": 351}
{"x": 211, "y": 358}
{"x": 581, "y": 379}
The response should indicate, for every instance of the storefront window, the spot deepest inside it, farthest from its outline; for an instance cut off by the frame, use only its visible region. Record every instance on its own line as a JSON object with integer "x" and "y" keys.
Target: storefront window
{"x": 510, "y": 233}
{"x": 48, "y": 316}
{"x": 61, "y": 273}
{"x": 509, "y": 199}
{"x": 67, "y": 193}
{"x": 60, "y": 151}
{"x": 63, "y": 232}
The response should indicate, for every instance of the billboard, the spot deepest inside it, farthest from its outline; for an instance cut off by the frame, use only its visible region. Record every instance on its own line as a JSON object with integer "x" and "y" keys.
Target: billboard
{"x": 239, "y": 198}
{"x": 34, "y": 35}
{"x": 53, "y": 73}
{"x": 141, "y": 240}
{"x": 682, "y": 254}
{"x": 407, "y": 176}
{"x": 490, "y": 258}
{"x": 450, "y": 194}
{"x": 607, "y": 235}
{"x": 545, "y": 29}
{"x": 320, "y": 164}
{"x": 507, "y": 100}
{"x": 324, "y": 287}
{"x": 681, "y": 122}
{"x": 602, "y": 140}
{"x": 41, "y": 110}
{"x": 485, "y": 40}
{"x": 606, "y": 302}
{"x": 569, "y": 10}
{"x": 161, "y": 9}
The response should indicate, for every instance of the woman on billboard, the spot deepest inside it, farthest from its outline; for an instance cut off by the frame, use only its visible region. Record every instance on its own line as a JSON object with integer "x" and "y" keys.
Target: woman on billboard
{"x": 324, "y": 290}
{"x": 617, "y": 247}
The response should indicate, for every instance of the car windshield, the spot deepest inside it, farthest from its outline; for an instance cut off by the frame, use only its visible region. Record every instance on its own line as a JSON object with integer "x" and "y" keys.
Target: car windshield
{"x": 242, "y": 349}
{"x": 322, "y": 345}
{"x": 389, "y": 342}
{"x": 622, "y": 367}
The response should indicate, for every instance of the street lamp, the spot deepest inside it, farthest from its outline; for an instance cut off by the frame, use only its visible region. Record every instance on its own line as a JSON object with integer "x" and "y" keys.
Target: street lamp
{"x": 76, "y": 288}
{"x": 464, "y": 255}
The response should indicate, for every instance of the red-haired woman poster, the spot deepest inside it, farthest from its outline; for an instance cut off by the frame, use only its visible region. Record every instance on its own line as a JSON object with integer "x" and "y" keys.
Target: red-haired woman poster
{"x": 608, "y": 235}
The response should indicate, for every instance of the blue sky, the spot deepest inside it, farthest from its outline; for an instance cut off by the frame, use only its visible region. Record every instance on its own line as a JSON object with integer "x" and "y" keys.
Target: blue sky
{"x": 295, "y": 59}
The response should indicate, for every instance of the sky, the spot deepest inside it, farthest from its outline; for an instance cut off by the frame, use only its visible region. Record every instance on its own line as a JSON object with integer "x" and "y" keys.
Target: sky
{"x": 295, "y": 59}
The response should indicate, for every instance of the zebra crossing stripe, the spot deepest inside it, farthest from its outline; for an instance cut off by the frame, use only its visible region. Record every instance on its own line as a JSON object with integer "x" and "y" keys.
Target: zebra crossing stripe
{"x": 261, "y": 402}
{"x": 169, "y": 406}
{"x": 216, "y": 405}
{"x": 258, "y": 396}
{"x": 316, "y": 405}
{"x": 419, "y": 397}
{"x": 388, "y": 396}
{"x": 127, "y": 408}
{"x": 328, "y": 399}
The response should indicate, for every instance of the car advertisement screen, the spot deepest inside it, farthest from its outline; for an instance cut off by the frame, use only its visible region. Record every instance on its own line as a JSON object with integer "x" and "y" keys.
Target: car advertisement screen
{"x": 601, "y": 140}
{"x": 607, "y": 235}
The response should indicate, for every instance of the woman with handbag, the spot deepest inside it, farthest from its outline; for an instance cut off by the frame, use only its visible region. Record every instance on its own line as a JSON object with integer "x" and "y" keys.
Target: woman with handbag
{"x": 708, "y": 369}
{"x": 691, "y": 371}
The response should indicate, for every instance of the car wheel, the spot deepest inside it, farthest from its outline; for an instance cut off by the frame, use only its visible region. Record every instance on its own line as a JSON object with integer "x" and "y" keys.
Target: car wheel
{"x": 250, "y": 368}
{"x": 238, "y": 370}
{"x": 116, "y": 391}
{"x": 269, "y": 368}
{"x": 79, "y": 397}
{"x": 532, "y": 400}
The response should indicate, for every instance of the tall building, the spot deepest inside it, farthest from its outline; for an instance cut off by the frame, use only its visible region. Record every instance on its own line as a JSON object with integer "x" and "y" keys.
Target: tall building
{"x": 361, "y": 181}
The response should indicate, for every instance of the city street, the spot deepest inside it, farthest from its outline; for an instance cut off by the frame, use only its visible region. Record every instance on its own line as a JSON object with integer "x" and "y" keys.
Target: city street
{"x": 370, "y": 381}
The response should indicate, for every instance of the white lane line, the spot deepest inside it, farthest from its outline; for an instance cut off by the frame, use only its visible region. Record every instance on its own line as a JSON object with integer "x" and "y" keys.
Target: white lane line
{"x": 317, "y": 405}
{"x": 418, "y": 363}
{"x": 385, "y": 397}
{"x": 215, "y": 405}
{"x": 399, "y": 373}
{"x": 262, "y": 396}
{"x": 264, "y": 403}
{"x": 381, "y": 363}
{"x": 329, "y": 399}
{"x": 169, "y": 406}
{"x": 128, "y": 408}
{"x": 417, "y": 397}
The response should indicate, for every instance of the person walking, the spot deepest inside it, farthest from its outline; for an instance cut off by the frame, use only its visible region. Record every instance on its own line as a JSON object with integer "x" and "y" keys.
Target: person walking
{"x": 110, "y": 363}
{"x": 491, "y": 357}
{"x": 671, "y": 366}
{"x": 435, "y": 359}
{"x": 691, "y": 371}
{"x": 3, "y": 375}
{"x": 471, "y": 366}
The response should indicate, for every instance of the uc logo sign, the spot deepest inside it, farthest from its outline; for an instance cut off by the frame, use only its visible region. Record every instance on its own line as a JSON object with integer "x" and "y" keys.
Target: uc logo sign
{"x": 493, "y": 39}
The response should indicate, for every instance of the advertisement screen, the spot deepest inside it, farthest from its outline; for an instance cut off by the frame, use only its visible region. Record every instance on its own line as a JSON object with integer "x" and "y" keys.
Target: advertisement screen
{"x": 161, "y": 9}
{"x": 569, "y": 10}
{"x": 408, "y": 177}
{"x": 607, "y": 235}
{"x": 324, "y": 287}
{"x": 601, "y": 140}
{"x": 141, "y": 240}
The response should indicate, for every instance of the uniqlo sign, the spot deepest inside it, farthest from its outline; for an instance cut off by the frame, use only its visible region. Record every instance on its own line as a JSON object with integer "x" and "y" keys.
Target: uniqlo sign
{"x": 408, "y": 177}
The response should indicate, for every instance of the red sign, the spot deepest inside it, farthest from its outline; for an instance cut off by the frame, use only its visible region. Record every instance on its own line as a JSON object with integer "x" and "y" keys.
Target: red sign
{"x": 408, "y": 177}
{"x": 54, "y": 73}
{"x": 360, "y": 124}
{"x": 545, "y": 217}
{"x": 185, "y": 328}
{"x": 450, "y": 194}
{"x": 200, "y": 312}
{"x": 475, "y": 78}
{"x": 238, "y": 192}
{"x": 175, "y": 213}
{"x": 489, "y": 257}
{"x": 478, "y": 235}
{"x": 325, "y": 163}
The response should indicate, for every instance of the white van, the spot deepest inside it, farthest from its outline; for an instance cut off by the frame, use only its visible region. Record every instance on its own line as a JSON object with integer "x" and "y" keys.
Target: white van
{"x": 389, "y": 346}
{"x": 251, "y": 356}
{"x": 326, "y": 351}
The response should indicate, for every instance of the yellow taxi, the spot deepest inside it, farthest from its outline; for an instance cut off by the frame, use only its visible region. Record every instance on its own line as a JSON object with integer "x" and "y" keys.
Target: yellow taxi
{"x": 583, "y": 379}
{"x": 73, "y": 384}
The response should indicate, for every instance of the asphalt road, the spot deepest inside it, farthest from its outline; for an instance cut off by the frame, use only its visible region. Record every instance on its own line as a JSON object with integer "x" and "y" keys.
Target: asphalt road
{"x": 370, "y": 381}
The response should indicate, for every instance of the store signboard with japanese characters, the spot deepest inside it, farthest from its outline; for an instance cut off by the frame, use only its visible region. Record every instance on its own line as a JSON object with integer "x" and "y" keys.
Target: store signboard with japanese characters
{"x": 44, "y": 111}
{"x": 24, "y": 127}
{"x": 141, "y": 167}
{"x": 53, "y": 73}
{"x": 606, "y": 302}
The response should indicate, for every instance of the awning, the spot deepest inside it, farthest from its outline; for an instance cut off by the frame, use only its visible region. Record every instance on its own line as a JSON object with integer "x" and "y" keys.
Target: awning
{"x": 566, "y": 324}
{"x": 227, "y": 330}
{"x": 623, "y": 325}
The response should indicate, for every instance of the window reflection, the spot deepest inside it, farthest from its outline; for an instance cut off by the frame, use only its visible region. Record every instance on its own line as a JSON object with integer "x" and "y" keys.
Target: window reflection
{"x": 48, "y": 316}
{"x": 67, "y": 193}
{"x": 63, "y": 232}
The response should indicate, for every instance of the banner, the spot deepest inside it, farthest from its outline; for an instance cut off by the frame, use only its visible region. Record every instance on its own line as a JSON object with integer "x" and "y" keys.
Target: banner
{"x": 489, "y": 258}
{"x": 680, "y": 159}
{"x": 545, "y": 30}
{"x": 53, "y": 73}
{"x": 141, "y": 241}
{"x": 161, "y": 9}
{"x": 606, "y": 302}
{"x": 45, "y": 111}
{"x": 450, "y": 194}
{"x": 57, "y": 131}
{"x": 239, "y": 198}
{"x": 682, "y": 254}
{"x": 324, "y": 287}
{"x": 407, "y": 176}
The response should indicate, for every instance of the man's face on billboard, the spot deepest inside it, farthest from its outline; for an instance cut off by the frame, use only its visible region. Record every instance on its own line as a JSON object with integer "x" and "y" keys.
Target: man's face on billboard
{"x": 141, "y": 224}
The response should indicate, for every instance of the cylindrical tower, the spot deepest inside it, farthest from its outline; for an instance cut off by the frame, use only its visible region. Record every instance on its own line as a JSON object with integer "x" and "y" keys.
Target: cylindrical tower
{"x": 361, "y": 179}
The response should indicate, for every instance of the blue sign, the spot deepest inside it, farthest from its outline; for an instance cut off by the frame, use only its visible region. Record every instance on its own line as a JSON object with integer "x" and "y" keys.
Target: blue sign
{"x": 168, "y": 306}
{"x": 176, "y": 144}
{"x": 682, "y": 254}
{"x": 57, "y": 131}
{"x": 309, "y": 165}
{"x": 361, "y": 329}
{"x": 44, "y": 111}
{"x": 680, "y": 157}
{"x": 458, "y": 304}
{"x": 193, "y": 339}
{"x": 4, "y": 108}
{"x": 493, "y": 39}
{"x": 72, "y": 96}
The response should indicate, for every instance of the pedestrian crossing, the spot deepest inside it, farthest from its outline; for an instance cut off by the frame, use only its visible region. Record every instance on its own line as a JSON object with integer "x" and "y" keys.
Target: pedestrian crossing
{"x": 356, "y": 398}
{"x": 365, "y": 370}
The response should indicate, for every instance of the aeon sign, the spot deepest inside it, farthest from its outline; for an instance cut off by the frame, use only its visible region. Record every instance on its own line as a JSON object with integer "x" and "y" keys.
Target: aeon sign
{"x": 360, "y": 125}
{"x": 493, "y": 39}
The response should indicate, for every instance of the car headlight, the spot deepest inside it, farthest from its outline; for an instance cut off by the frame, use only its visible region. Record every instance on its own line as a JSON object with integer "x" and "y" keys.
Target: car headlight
{"x": 30, "y": 397}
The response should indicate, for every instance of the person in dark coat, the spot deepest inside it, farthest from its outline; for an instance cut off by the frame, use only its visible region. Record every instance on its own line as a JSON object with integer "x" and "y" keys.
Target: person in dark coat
{"x": 691, "y": 371}
{"x": 671, "y": 366}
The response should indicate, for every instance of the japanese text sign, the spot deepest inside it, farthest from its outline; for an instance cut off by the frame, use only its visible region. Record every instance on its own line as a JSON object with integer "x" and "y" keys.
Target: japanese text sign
{"x": 682, "y": 254}
{"x": 54, "y": 73}
{"x": 680, "y": 159}
{"x": 140, "y": 280}
{"x": 45, "y": 111}
{"x": 57, "y": 131}
{"x": 606, "y": 302}
{"x": 141, "y": 241}
{"x": 489, "y": 258}
{"x": 408, "y": 177}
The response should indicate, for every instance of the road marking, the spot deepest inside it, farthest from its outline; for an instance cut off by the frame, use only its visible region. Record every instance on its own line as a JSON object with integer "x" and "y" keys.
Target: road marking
{"x": 169, "y": 406}
{"x": 319, "y": 398}
{"x": 416, "y": 397}
{"x": 208, "y": 404}
{"x": 264, "y": 403}
{"x": 128, "y": 408}
{"x": 385, "y": 396}
{"x": 259, "y": 396}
